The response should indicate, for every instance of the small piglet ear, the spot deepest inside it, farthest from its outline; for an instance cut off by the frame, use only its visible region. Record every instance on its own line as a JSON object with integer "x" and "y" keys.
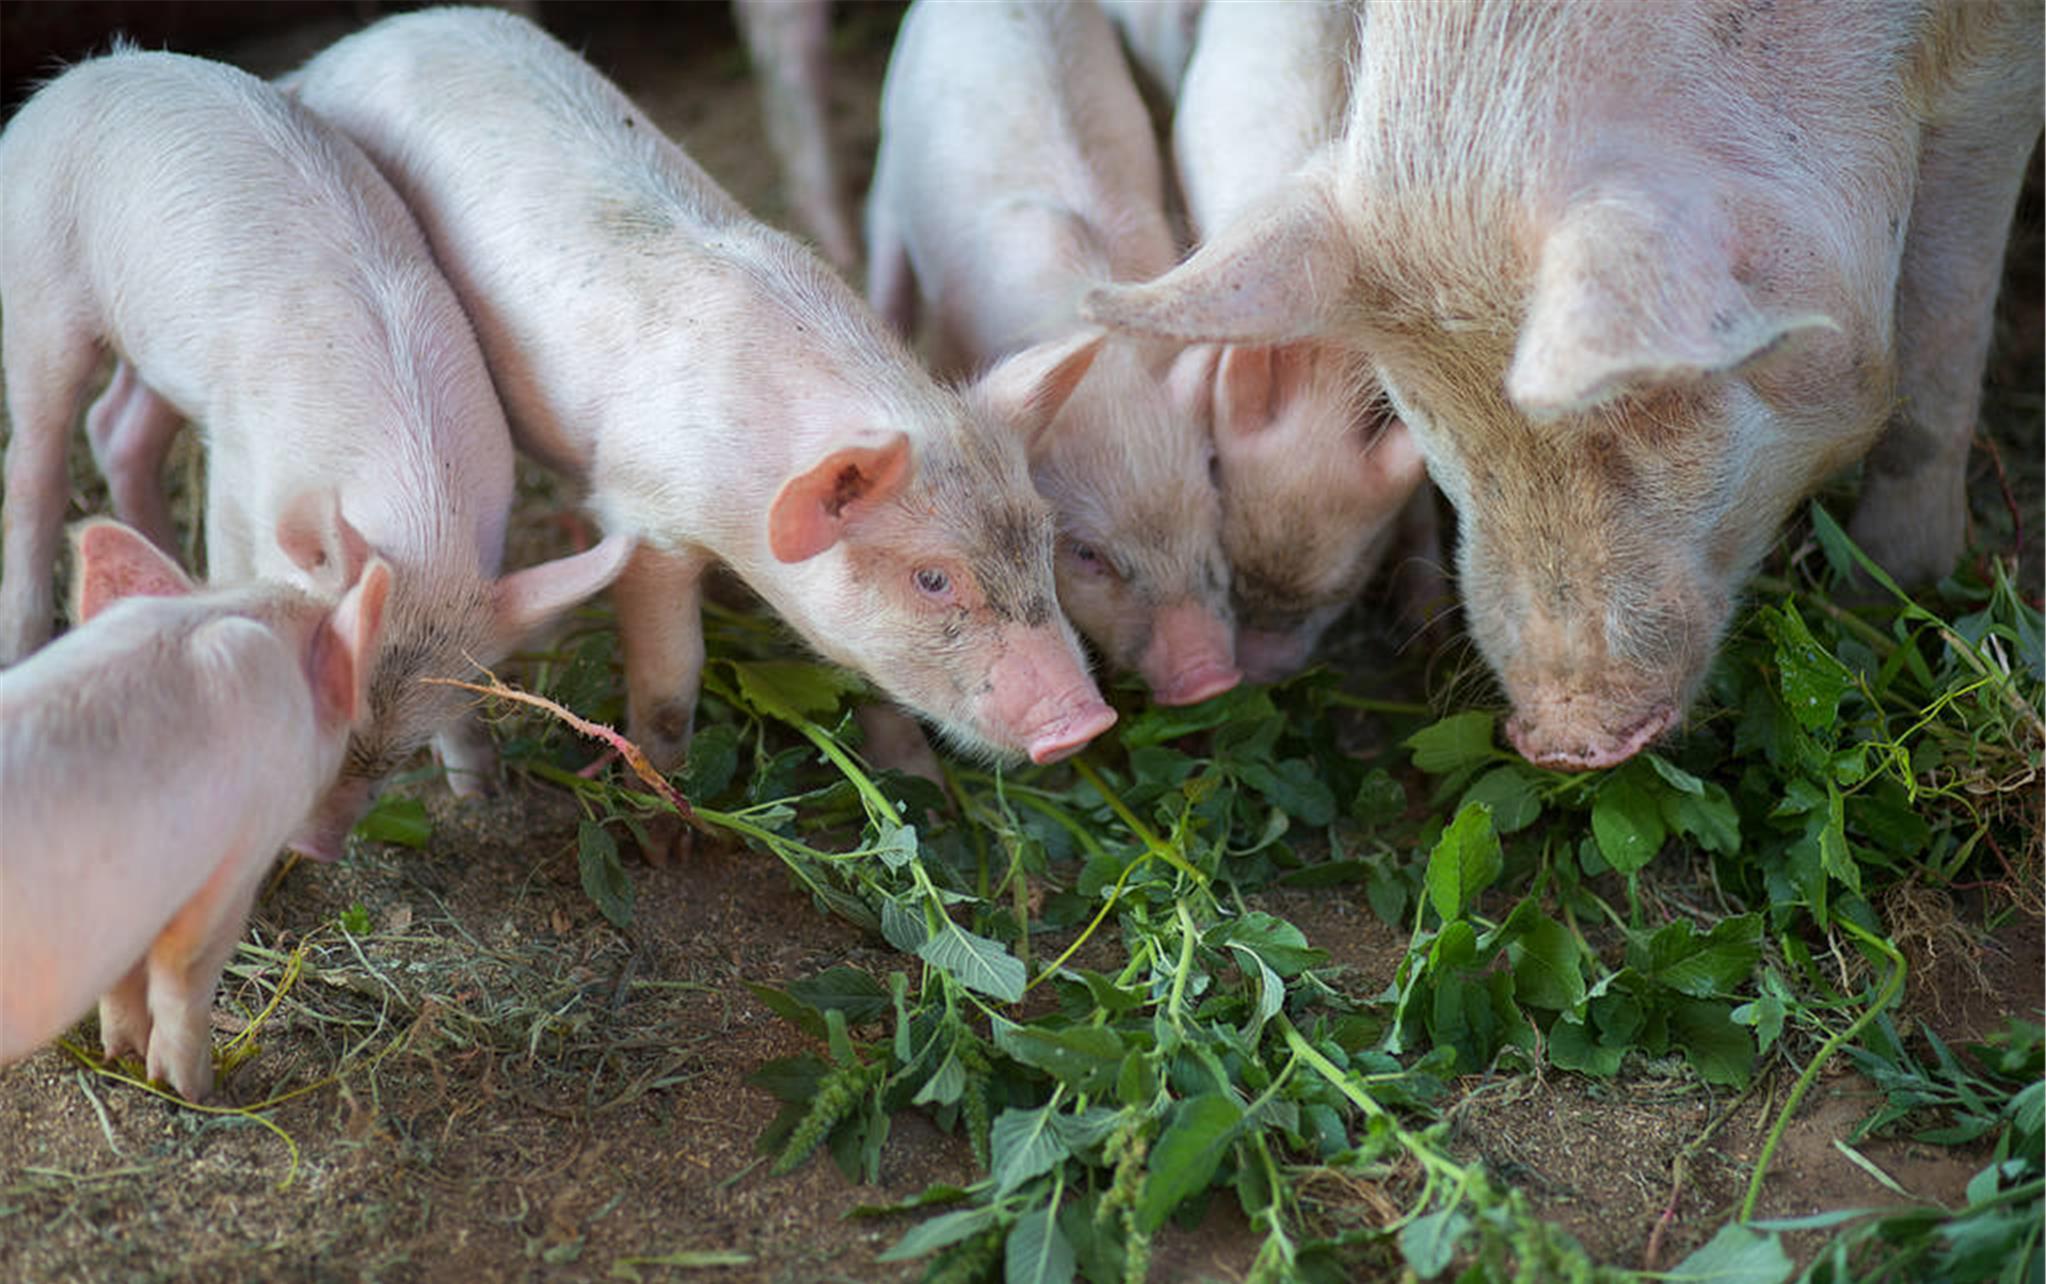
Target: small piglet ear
{"x": 812, "y": 509}
{"x": 529, "y": 598}
{"x": 116, "y": 561}
{"x": 1278, "y": 272}
{"x": 1027, "y": 389}
{"x": 1636, "y": 292}
{"x": 1393, "y": 464}
{"x": 345, "y": 648}
{"x": 319, "y": 541}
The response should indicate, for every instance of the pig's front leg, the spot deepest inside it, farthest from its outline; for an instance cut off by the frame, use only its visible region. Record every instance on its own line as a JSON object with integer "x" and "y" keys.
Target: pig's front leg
{"x": 184, "y": 965}
{"x": 46, "y": 376}
{"x": 659, "y": 598}
{"x": 131, "y": 430}
{"x": 124, "y": 1014}
{"x": 1913, "y": 514}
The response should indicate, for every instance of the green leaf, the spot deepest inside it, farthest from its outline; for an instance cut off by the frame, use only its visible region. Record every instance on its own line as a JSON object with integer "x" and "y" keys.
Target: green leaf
{"x": 903, "y": 925}
{"x": 713, "y": 761}
{"x": 1701, "y": 966}
{"x": 1159, "y": 723}
{"x": 947, "y": 1228}
{"x": 1512, "y": 792}
{"x": 1280, "y": 944}
{"x": 896, "y": 844}
{"x": 1736, "y": 1255}
{"x": 1023, "y": 1144}
{"x": 1547, "y": 974}
{"x": 1086, "y": 1057}
{"x": 1293, "y": 787}
{"x": 1429, "y": 1243}
{"x": 975, "y": 961}
{"x": 945, "y": 1086}
{"x": 355, "y": 920}
{"x": 1765, "y": 1015}
{"x": 1710, "y": 817}
{"x": 1834, "y": 856}
{"x": 793, "y": 690}
{"x": 396, "y": 819}
{"x": 1573, "y": 1047}
{"x": 1186, "y": 1156}
{"x": 1626, "y": 821}
{"x": 1460, "y": 740}
{"x": 1380, "y": 800}
{"x": 1811, "y": 680}
{"x": 1720, "y": 1050}
{"x": 627, "y": 1268}
{"x": 1682, "y": 780}
{"x": 1465, "y": 861}
{"x": 604, "y": 878}
{"x": 847, "y": 989}
{"x": 1037, "y": 1251}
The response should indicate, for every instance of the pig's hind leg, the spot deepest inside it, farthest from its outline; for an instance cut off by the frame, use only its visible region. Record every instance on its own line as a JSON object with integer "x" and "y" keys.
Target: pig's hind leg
{"x": 47, "y": 365}
{"x": 131, "y": 429}
{"x": 124, "y": 1014}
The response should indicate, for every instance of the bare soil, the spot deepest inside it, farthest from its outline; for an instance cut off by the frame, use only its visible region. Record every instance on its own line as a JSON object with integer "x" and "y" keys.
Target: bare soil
{"x": 493, "y": 1083}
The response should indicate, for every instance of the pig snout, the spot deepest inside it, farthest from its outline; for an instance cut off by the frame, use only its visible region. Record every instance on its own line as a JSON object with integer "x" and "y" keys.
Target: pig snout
{"x": 1190, "y": 656}
{"x": 1579, "y": 731}
{"x": 1267, "y": 655}
{"x": 1040, "y": 698}
{"x": 324, "y": 835}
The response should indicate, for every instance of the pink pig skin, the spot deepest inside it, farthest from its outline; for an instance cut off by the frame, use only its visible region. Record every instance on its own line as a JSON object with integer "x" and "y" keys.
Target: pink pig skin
{"x": 1638, "y": 277}
{"x": 254, "y": 275}
{"x": 721, "y": 392}
{"x": 789, "y": 42}
{"x": 1017, "y": 169}
{"x": 152, "y": 762}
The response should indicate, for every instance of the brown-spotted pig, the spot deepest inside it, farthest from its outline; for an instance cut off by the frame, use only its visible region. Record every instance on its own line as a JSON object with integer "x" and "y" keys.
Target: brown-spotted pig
{"x": 1315, "y": 471}
{"x": 1639, "y": 277}
{"x": 152, "y": 762}
{"x": 253, "y": 274}
{"x": 721, "y": 392}
{"x": 1017, "y": 168}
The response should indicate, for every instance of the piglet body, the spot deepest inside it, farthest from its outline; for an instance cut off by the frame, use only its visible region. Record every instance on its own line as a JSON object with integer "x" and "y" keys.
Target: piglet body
{"x": 1017, "y": 169}
{"x": 1315, "y": 471}
{"x": 721, "y": 392}
{"x": 152, "y": 763}
{"x": 253, "y": 274}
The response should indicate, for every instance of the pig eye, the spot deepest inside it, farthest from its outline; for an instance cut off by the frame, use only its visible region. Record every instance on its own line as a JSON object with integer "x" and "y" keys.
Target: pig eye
{"x": 934, "y": 583}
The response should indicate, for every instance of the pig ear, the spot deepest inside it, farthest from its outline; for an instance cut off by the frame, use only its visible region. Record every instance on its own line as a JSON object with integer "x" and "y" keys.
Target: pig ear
{"x": 319, "y": 541}
{"x": 528, "y": 598}
{"x": 116, "y": 561}
{"x": 1632, "y": 295}
{"x": 345, "y": 648}
{"x": 1028, "y": 389}
{"x": 812, "y": 509}
{"x": 1279, "y": 272}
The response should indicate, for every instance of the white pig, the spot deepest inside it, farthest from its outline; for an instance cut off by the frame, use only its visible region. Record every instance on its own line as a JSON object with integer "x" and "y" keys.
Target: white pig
{"x": 722, "y": 392}
{"x": 1314, "y": 470}
{"x": 252, "y": 273}
{"x": 152, "y": 762}
{"x": 1017, "y": 169}
{"x": 1638, "y": 277}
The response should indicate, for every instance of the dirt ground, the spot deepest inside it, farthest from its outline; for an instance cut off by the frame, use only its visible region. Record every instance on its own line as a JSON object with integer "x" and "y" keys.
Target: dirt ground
{"x": 494, "y": 1083}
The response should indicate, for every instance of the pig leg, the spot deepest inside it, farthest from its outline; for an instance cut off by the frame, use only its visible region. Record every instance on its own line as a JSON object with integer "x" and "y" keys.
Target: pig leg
{"x": 47, "y": 370}
{"x": 788, "y": 41}
{"x": 659, "y": 598}
{"x": 124, "y": 1014}
{"x": 1913, "y": 514}
{"x": 891, "y": 285}
{"x": 185, "y": 963}
{"x": 131, "y": 430}
{"x": 468, "y": 755}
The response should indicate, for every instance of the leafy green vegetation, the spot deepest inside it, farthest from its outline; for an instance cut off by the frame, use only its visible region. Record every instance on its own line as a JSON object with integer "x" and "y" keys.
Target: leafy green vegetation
{"x": 1093, "y": 994}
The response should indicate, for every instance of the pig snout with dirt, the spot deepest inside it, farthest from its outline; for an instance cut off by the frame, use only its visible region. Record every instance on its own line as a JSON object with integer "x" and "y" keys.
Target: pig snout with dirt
{"x": 251, "y": 272}
{"x": 1017, "y": 168}
{"x": 1314, "y": 470}
{"x": 152, "y": 763}
{"x": 1638, "y": 277}
{"x": 722, "y": 393}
